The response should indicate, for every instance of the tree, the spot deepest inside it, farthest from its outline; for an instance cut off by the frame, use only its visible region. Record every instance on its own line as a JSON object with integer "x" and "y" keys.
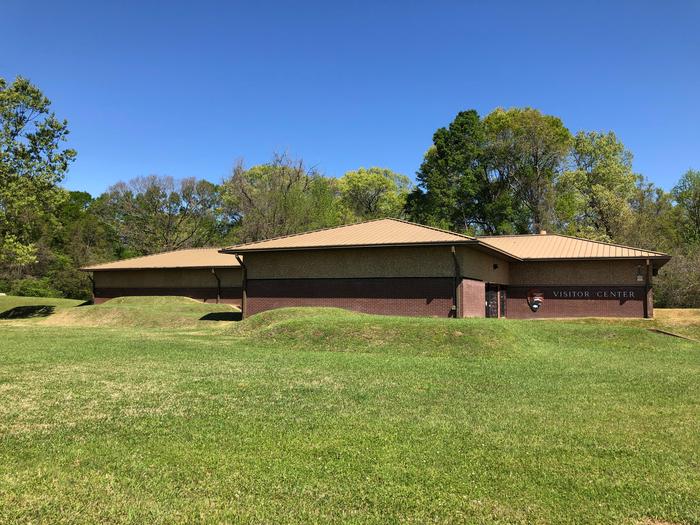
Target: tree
{"x": 528, "y": 150}
{"x": 449, "y": 177}
{"x": 154, "y": 214}
{"x": 85, "y": 236}
{"x": 82, "y": 238}
{"x": 678, "y": 282}
{"x": 457, "y": 189}
{"x": 687, "y": 196}
{"x": 654, "y": 219}
{"x": 32, "y": 164}
{"x": 280, "y": 198}
{"x": 593, "y": 196}
{"x": 375, "y": 192}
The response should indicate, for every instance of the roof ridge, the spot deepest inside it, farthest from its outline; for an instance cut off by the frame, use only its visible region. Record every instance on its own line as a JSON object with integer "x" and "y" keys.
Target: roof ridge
{"x": 299, "y": 233}
{"x": 345, "y": 226}
{"x": 183, "y": 249}
{"x": 516, "y": 235}
{"x": 434, "y": 228}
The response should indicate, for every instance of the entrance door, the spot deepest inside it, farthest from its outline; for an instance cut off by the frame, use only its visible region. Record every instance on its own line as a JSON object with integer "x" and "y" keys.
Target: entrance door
{"x": 492, "y": 298}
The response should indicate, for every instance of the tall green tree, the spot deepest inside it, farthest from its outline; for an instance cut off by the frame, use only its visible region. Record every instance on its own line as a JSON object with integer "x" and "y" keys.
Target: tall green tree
{"x": 78, "y": 236}
{"x": 594, "y": 195}
{"x": 33, "y": 162}
{"x": 528, "y": 150}
{"x": 375, "y": 192}
{"x": 83, "y": 238}
{"x": 687, "y": 196}
{"x": 450, "y": 175}
{"x": 457, "y": 189}
{"x": 280, "y": 198}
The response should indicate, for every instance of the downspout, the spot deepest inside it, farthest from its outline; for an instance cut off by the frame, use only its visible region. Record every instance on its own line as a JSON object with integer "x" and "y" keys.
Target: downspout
{"x": 92, "y": 284}
{"x": 218, "y": 285}
{"x": 647, "y": 286}
{"x": 244, "y": 281}
{"x": 455, "y": 283}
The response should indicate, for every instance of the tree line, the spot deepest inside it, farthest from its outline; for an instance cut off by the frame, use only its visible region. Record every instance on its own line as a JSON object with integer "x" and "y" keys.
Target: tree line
{"x": 512, "y": 171}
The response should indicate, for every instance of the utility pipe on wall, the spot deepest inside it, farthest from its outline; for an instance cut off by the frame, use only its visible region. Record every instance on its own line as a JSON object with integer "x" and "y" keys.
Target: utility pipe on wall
{"x": 244, "y": 280}
{"x": 455, "y": 284}
{"x": 647, "y": 286}
{"x": 92, "y": 283}
{"x": 218, "y": 285}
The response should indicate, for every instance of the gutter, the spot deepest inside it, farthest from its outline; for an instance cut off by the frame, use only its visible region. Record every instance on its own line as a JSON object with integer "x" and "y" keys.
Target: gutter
{"x": 647, "y": 287}
{"x": 141, "y": 268}
{"x": 660, "y": 258}
{"x": 92, "y": 285}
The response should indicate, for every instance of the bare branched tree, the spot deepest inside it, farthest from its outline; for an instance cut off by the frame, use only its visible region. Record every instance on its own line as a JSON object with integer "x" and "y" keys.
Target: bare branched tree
{"x": 153, "y": 214}
{"x": 280, "y": 198}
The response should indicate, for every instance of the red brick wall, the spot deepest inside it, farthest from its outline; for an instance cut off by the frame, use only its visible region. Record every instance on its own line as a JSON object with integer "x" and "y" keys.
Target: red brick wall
{"x": 432, "y": 297}
{"x": 472, "y": 296}
{"x": 577, "y": 301}
{"x": 420, "y": 297}
{"x": 229, "y": 295}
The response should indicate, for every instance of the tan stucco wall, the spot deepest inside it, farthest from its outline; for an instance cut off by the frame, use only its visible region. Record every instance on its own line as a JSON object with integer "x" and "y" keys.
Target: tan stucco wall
{"x": 351, "y": 262}
{"x": 479, "y": 265}
{"x": 424, "y": 261}
{"x": 167, "y": 278}
{"x": 576, "y": 273}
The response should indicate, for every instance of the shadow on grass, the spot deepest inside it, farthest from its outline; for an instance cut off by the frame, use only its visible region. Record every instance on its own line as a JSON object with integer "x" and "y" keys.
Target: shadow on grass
{"x": 222, "y": 316}
{"x": 27, "y": 312}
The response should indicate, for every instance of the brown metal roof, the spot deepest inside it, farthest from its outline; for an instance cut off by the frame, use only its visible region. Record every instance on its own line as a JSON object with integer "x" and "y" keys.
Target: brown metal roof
{"x": 189, "y": 258}
{"x": 554, "y": 246}
{"x": 389, "y": 232}
{"x": 380, "y": 232}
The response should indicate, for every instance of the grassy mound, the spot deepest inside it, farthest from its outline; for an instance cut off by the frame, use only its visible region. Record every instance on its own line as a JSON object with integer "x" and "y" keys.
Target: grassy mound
{"x": 145, "y": 312}
{"x": 270, "y": 318}
{"x": 152, "y": 300}
{"x": 332, "y": 329}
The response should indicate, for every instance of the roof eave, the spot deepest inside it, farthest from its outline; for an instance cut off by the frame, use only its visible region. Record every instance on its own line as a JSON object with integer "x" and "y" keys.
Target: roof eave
{"x": 460, "y": 242}
{"x": 201, "y": 267}
{"x": 664, "y": 258}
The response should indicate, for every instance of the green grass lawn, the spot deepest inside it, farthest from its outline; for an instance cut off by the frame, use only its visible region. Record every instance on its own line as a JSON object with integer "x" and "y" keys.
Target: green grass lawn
{"x": 124, "y": 312}
{"x": 312, "y": 415}
{"x": 23, "y": 307}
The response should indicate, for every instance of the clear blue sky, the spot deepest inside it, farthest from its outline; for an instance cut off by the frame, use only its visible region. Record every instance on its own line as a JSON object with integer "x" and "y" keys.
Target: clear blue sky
{"x": 186, "y": 88}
